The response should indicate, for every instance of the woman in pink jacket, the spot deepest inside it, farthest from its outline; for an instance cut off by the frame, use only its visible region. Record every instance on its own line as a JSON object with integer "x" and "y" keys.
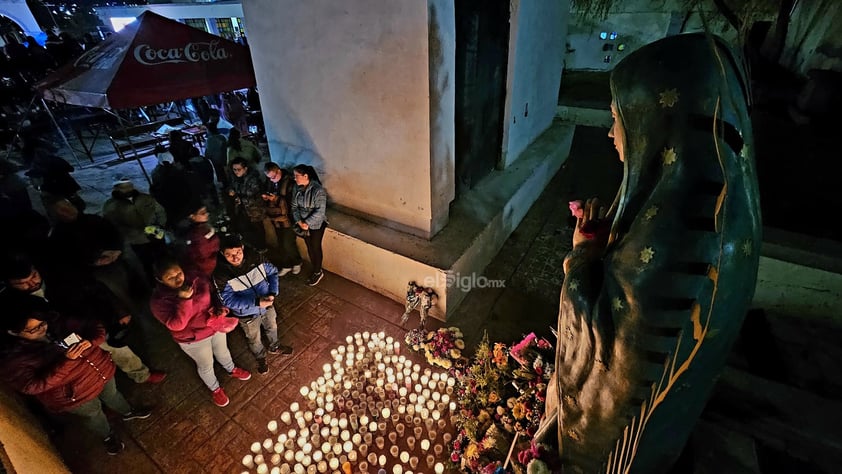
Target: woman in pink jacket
{"x": 185, "y": 304}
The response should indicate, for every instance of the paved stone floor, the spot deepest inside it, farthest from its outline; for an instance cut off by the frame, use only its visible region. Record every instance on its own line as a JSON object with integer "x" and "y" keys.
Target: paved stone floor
{"x": 188, "y": 433}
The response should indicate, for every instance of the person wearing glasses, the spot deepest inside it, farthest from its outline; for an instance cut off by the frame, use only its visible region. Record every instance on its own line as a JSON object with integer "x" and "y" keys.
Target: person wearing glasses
{"x": 249, "y": 209}
{"x": 280, "y": 188}
{"x": 59, "y": 363}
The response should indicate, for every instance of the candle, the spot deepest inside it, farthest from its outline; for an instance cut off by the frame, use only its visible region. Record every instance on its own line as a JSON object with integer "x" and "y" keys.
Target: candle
{"x": 425, "y": 444}
{"x": 248, "y": 461}
{"x": 268, "y": 444}
{"x": 294, "y": 407}
{"x": 439, "y": 468}
{"x": 382, "y": 460}
{"x": 276, "y": 458}
{"x": 286, "y": 418}
{"x": 349, "y": 339}
{"x": 255, "y": 447}
{"x": 262, "y": 469}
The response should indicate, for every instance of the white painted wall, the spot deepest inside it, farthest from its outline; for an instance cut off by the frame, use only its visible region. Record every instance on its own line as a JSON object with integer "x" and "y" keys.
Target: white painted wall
{"x": 18, "y": 11}
{"x": 442, "y": 24}
{"x": 345, "y": 86}
{"x": 814, "y": 39}
{"x": 537, "y": 33}
{"x": 637, "y": 23}
{"x": 175, "y": 11}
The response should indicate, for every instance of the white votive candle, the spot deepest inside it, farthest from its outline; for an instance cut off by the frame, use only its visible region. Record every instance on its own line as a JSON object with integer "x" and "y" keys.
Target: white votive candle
{"x": 255, "y": 447}
{"x": 248, "y": 461}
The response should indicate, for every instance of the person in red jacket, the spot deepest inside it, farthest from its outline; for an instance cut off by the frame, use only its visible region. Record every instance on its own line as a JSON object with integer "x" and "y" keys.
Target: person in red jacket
{"x": 44, "y": 356}
{"x": 185, "y": 304}
{"x": 201, "y": 241}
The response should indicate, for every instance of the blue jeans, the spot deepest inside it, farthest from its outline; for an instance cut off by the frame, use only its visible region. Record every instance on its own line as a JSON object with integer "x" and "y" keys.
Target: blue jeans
{"x": 269, "y": 321}
{"x": 203, "y": 353}
{"x": 91, "y": 411}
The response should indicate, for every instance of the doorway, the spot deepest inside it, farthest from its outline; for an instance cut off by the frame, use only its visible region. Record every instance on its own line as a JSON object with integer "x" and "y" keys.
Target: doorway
{"x": 482, "y": 50}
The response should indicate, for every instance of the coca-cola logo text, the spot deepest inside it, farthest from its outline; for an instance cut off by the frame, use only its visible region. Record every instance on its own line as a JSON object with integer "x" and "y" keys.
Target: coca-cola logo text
{"x": 191, "y": 52}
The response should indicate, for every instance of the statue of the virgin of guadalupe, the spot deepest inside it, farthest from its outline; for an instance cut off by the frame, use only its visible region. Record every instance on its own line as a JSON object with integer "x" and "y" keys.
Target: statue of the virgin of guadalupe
{"x": 657, "y": 284}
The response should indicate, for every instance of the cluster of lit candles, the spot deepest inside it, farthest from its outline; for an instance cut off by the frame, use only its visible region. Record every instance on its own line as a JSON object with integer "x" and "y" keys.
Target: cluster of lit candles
{"x": 368, "y": 412}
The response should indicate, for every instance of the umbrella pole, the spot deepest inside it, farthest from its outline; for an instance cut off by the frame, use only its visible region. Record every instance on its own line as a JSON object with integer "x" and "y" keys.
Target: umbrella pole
{"x": 61, "y": 132}
{"x": 17, "y": 132}
{"x": 134, "y": 150}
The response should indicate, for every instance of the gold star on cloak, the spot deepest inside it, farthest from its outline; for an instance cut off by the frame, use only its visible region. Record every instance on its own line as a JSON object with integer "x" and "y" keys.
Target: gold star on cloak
{"x": 647, "y": 254}
{"x": 573, "y": 285}
{"x": 669, "y": 156}
{"x": 617, "y": 304}
{"x": 668, "y": 98}
{"x": 746, "y": 247}
{"x": 651, "y": 212}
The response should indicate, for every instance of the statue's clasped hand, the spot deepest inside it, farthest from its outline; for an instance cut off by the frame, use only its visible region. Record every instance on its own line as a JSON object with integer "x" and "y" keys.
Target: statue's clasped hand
{"x": 591, "y": 223}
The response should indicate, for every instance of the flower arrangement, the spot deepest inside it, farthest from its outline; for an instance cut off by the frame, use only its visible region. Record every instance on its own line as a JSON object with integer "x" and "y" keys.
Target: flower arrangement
{"x": 534, "y": 357}
{"x": 501, "y": 395}
{"x": 539, "y": 459}
{"x": 442, "y": 347}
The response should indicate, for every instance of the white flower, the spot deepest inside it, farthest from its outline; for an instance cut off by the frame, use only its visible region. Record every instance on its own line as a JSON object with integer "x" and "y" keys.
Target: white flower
{"x": 537, "y": 467}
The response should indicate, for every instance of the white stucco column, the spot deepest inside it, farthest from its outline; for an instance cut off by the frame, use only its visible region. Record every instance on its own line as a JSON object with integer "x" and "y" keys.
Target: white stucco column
{"x": 363, "y": 91}
{"x": 537, "y": 33}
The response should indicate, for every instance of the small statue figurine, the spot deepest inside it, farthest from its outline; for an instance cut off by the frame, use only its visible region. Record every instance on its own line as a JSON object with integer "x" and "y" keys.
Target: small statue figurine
{"x": 418, "y": 297}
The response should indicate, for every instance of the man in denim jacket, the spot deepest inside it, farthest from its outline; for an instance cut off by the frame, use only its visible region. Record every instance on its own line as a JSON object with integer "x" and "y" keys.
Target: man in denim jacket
{"x": 247, "y": 285}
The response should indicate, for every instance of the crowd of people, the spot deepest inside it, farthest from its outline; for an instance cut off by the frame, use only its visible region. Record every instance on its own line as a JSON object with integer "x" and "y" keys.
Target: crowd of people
{"x": 80, "y": 290}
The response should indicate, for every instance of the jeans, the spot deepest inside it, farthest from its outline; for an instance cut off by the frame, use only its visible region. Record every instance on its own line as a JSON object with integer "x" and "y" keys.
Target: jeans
{"x": 91, "y": 411}
{"x": 314, "y": 247}
{"x": 269, "y": 321}
{"x": 282, "y": 240}
{"x": 203, "y": 353}
{"x": 125, "y": 358}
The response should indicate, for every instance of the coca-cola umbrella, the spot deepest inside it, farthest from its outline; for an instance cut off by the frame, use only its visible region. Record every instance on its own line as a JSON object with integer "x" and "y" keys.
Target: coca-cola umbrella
{"x": 153, "y": 60}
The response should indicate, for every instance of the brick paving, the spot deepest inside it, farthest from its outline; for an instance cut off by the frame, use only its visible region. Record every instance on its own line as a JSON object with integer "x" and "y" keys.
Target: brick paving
{"x": 188, "y": 433}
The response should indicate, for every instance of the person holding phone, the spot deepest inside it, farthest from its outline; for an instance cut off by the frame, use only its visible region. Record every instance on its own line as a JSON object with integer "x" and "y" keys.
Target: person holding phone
{"x": 58, "y": 362}
{"x": 184, "y": 303}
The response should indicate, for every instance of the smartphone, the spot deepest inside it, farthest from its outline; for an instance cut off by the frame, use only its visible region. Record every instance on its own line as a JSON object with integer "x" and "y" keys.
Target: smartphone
{"x": 68, "y": 341}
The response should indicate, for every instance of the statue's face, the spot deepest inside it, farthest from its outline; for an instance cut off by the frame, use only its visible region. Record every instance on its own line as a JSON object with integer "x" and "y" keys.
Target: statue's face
{"x": 617, "y": 132}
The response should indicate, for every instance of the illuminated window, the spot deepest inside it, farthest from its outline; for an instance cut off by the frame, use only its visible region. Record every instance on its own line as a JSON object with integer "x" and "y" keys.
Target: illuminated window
{"x": 198, "y": 23}
{"x": 603, "y": 35}
{"x": 225, "y": 28}
{"x": 621, "y": 47}
{"x": 613, "y": 35}
{"x": 607, "y": 58}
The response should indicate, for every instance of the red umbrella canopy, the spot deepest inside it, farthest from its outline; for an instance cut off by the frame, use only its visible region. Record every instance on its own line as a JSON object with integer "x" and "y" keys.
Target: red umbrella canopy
{"x": 152, "y": 60}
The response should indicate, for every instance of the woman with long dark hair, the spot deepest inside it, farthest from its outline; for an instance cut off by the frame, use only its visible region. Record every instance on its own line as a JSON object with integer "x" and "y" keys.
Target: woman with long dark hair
{"x": 308, "y": 211}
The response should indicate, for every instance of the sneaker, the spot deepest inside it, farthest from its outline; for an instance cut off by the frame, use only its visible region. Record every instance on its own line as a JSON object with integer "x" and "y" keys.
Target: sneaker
{"x": 113, "y": 445}
{"x": 137, "y": 414}
{"x": 155, "y": 377}
{"x": 219, "y": 397}
{"x": 284, "y": 271}
{"x": 315, "y": 278}
{"x": 240, "y": 374}
{"x": 278, "y": 348}
{"x": 262, "y": 366}
{"x": 296, "y": 269}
